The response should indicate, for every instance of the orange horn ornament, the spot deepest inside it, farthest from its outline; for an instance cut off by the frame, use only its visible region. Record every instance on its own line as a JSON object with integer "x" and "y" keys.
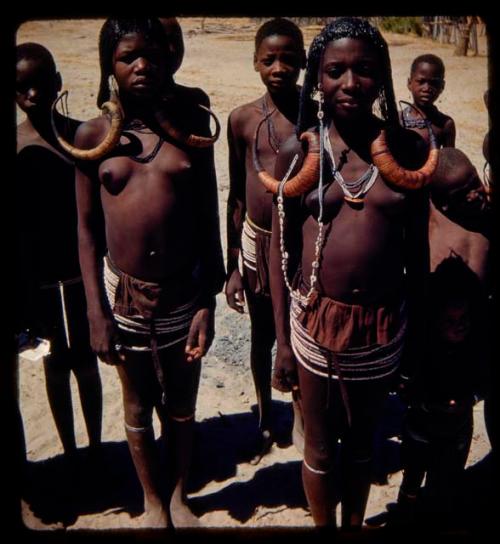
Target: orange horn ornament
{"x": 189, "y": 139}
{"x": 304, "y": 180}
{"x": 111, "y": 108}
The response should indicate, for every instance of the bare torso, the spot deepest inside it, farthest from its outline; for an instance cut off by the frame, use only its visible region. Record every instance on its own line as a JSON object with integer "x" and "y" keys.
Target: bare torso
{"x": 447, "y": 237}
{"x": 366, "y": 246}
{"x": 271, "y": 135}
{"x": 443, "y": 126}
{"x": 151, "y": 221}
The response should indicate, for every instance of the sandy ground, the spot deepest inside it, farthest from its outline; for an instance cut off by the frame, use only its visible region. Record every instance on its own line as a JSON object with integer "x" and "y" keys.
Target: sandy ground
{"x": 226, "y": 491}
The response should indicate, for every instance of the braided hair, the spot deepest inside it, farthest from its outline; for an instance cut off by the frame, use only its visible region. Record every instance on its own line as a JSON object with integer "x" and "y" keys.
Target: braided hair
{"x": 357, "y": 28}
{"x": 112, "y": 31}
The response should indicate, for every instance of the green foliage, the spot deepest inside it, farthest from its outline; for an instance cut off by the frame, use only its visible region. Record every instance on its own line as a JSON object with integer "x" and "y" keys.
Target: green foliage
{"x": 401, "y": 25}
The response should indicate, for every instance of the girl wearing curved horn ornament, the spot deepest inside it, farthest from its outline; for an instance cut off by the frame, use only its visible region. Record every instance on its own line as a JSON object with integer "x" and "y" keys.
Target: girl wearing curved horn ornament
{"x": 151, "y": 300}
{"x": 349, "y": 259}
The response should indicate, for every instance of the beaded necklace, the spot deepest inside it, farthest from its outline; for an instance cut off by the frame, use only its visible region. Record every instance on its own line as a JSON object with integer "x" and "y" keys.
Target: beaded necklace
{"x": 313, "y": 278}
{"x": 412, "y": 122}
{"x": 354, "y": 191}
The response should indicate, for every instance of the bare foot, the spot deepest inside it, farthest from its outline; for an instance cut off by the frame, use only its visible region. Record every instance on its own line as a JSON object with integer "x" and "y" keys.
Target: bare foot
{"x": 182, "y": 517}
{"x": 266, "y": 440}
{"x": 154, "y": 518}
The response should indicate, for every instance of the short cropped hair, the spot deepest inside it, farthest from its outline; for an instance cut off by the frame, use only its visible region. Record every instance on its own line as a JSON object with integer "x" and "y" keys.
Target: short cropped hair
{"x": 279, "y": 26}
{"x": 35, "y": 51}
{"x": 429, "y": 59}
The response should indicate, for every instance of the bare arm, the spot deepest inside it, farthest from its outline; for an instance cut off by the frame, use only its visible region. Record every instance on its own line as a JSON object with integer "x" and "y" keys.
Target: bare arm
{"x": 213, "y": 274}
{"x": 285, "y": 375}
{"x": 236, "y": 208}
{"x": 449, "y": 133}
{"x": 103, "y": 334}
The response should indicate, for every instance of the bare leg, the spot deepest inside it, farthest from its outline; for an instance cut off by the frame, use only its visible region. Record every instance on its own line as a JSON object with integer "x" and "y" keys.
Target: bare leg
{"x": 57, "y": 383}
{"x": 356, "y": 481}
{"x": 182, "y": 379}
{"x": 90, "y": 389}
{"x": 179, "y": 448}
{"x": 318, "y": 450}
{"x": 263, "y": 336}
{"x": 140, "y": 390}
{"x": 298, "y": 424}
{"x": 366, "y": 402}
{"x": 319, "y": 493}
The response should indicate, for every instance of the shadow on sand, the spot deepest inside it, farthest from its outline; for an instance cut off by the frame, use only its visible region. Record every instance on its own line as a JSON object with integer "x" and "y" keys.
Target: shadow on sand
{"x": 58, "y": 490}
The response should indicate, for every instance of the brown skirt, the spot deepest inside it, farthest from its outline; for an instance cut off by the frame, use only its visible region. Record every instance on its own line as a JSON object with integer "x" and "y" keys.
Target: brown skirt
{"x": 337, "y": 326}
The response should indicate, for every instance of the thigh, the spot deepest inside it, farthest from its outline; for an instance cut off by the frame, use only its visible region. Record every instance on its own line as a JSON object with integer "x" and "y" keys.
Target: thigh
{"x": 181, "y": 379}
{"x": 260, "y": 310}
{"x": 366, "y": 400}
{"x": 140, "y": 386}
{"x": 322, "y": 417}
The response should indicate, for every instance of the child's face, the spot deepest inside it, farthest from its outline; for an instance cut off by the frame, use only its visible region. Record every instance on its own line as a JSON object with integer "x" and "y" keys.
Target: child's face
{"x": 453, "y": 323}
{"x": 139, "y": 66}
{"x": 350, "y": 77}
{"x": 425, "y": 84}
{"x": 36, "y": 85}
{"x": 279, "y": 61}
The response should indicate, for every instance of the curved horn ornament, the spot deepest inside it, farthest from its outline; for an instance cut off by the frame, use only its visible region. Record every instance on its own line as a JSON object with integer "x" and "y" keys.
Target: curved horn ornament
{"x": 395, "y": 174}
{"x": 191, "y": 140}
{"x": 304, "y": 180}
{"x": 111, "y": 108}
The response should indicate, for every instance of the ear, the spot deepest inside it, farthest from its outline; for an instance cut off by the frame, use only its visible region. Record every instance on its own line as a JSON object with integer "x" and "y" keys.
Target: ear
{"x": 58, "y": 81}
{"x": 255, "y": 67}
{"x": 408, "y": 83}
{"x": 443, "y": 86}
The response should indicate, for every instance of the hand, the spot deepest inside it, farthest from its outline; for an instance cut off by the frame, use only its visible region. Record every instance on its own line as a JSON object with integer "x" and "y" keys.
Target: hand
{"x": 285, "y": 371}
{"x": 105, "y": 340}
{"x": 201, "y": 334}
{"x": 235, "y": 294}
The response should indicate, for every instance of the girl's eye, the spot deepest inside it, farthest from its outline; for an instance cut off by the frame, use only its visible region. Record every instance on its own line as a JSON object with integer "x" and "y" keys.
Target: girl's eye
{"x": 334, "y": 72}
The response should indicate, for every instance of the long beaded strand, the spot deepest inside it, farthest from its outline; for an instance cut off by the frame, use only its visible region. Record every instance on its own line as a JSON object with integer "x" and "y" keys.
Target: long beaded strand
{"x": 295, "y": 293}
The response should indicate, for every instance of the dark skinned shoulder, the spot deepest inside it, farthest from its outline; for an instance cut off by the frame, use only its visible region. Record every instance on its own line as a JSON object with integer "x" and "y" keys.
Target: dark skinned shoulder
{"x": 408, "y": 148}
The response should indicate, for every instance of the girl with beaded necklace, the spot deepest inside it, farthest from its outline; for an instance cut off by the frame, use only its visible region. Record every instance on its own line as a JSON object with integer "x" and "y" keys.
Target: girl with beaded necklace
{"x": 349, "y": 244}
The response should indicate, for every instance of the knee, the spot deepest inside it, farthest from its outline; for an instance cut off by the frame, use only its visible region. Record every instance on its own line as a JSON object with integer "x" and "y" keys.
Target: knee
{"x": 357, "y": 452}
{"x": 318, "y": 456}
{"x": 86, "y": 370}
{"x": 56, "y": 371}
{"x": 138, "y": 415}
{"x": 180, "y": 413}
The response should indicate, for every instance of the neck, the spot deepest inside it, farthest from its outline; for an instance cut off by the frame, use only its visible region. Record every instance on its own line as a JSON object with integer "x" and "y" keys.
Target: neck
{"x": 355, "y": 133}
{"x": 138, "y": 111}
{"x": 426, "y": 108}
{"x": 287, "y": 103}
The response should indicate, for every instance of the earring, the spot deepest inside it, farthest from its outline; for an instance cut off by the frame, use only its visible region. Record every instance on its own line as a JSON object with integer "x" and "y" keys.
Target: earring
{"x": 320, "y": 113}
{"x": 113, "y": 86}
